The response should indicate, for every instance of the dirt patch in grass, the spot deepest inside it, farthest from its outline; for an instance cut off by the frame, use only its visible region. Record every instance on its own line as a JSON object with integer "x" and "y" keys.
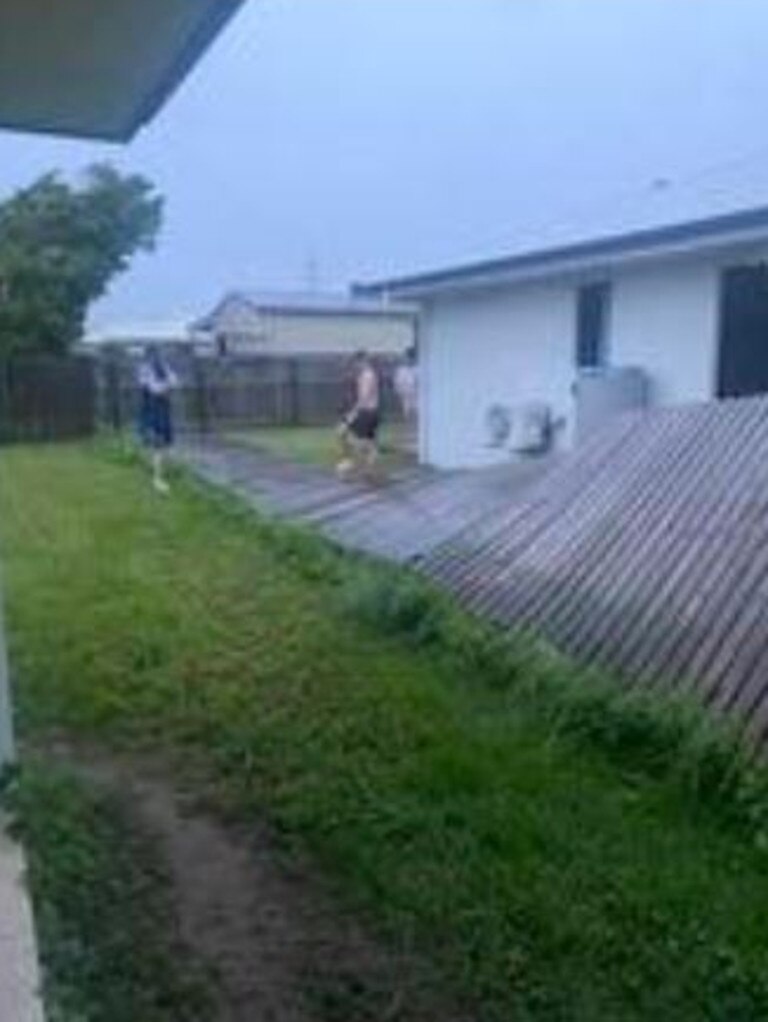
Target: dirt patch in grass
{"x": 261, "y": 922}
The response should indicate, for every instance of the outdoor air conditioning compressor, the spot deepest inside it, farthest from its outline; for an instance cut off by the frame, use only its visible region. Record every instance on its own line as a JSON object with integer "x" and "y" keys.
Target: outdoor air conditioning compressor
{"x": 603, "y": 394}
{"x": 520, "y": 429}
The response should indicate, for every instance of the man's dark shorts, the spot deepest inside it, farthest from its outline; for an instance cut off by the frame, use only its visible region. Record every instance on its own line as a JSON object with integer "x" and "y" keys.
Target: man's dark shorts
{"x": 364, "y": 424}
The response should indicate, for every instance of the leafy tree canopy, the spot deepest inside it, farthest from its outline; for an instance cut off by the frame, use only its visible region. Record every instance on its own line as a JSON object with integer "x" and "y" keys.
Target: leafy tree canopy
{"x": 60, "y": 247}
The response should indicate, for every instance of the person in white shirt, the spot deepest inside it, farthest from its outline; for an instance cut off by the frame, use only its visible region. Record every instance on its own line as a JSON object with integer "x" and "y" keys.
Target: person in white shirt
{"x": 156, "y": 381}
{"x": 407, "y": 386}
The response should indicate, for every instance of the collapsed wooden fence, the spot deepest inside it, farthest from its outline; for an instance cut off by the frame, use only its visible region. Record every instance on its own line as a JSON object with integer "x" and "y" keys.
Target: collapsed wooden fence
{"x": 645, "y": 552}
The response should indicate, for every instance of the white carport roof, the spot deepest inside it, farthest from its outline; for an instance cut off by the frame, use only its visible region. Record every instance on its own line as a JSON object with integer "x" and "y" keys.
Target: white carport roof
{"x": 98, "y": 68}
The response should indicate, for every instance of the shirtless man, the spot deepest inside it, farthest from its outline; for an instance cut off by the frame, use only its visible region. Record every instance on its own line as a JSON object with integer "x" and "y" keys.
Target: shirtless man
{"x": 359, "y": 428}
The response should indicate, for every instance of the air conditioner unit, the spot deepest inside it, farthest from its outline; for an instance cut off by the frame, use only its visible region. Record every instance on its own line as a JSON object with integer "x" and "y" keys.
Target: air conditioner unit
{"x": 522, "y": 429}
{"x": 531, "y": 428}
{"x": 604, "y": 394}
{"x": 498, "y": 425}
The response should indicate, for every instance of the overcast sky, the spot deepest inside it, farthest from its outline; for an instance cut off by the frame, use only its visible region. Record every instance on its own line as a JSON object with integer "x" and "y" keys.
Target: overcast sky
{"x": 382, "y": 136}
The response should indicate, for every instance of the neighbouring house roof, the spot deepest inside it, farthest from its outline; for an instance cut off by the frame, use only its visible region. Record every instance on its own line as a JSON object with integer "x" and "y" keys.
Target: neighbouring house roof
{"x": 302, "y": 304}
{"x": 98, "y": 68}
{"x": 711, "y": 233}
{"x": 152, "y": 332}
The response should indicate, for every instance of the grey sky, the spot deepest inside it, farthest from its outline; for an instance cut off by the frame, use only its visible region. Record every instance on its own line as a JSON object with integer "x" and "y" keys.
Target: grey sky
{"x": 384, "y": 136}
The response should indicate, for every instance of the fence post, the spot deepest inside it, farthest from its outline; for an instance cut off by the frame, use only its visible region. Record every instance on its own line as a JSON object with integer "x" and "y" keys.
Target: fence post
{"x": 276, "y": 392}
{"x": 91, "y": 414}
{"x": 7, "y": 748}
{"x": 5, "y": 408}
{"x": 201, "y": 395}
{"x": 113, "y": 394}
{"x": 294, "y": 398}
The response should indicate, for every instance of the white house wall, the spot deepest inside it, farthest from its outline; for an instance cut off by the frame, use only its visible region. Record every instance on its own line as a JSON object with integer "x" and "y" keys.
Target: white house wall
{"x": 516, "y": 344}
{"x": 496, "y": 347}
{"x": 665, "y": 320}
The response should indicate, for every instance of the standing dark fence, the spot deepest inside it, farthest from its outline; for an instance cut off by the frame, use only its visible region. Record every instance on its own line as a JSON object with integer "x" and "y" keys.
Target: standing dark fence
{"x": 241, "y": 392}
{"x": 62, "y": 398}
{"x": 47, "y": 398}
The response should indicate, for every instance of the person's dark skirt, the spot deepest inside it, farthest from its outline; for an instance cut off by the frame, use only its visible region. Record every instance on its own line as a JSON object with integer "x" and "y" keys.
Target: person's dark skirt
{"x": 155, "y": 420}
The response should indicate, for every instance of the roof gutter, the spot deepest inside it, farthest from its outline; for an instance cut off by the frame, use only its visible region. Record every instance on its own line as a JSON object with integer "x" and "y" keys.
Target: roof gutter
{"x": 593, "y": 258}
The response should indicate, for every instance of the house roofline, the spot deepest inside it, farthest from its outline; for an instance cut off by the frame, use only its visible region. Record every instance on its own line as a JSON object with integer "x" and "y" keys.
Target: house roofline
{"x": 376, "y": 309}
{"x": 744, "y": 226}
{"x": 390, "y": 311}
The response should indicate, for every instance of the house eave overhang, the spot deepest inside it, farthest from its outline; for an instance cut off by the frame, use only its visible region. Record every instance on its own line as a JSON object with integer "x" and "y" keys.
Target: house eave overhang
{"x": 99, "y": 69}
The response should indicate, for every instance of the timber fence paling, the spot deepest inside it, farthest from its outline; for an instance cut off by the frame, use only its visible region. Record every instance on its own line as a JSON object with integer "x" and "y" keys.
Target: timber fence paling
{"x": 629, "y": 542}
{"x": 590, "y": 519}
{"x": 46, "y": 397}
{"x": 654, "y": 564}
{"x": 700, "y": 559}
{"x": 242, "y": 391}
{"x": 501, "y": 538}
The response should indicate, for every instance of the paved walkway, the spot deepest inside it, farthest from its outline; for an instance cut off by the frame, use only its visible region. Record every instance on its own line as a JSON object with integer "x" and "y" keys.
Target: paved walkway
{"x": 403, "y": 518}
{"x": 20, "y": 999}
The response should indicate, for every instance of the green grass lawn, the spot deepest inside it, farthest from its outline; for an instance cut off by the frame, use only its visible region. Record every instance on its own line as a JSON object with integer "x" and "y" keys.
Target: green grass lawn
{"x": 318, "y": 445}
{"x": 552, "y": 861}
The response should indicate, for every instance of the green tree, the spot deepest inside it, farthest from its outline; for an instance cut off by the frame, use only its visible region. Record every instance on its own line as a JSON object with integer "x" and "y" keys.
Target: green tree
{"x": 60, "y": 247}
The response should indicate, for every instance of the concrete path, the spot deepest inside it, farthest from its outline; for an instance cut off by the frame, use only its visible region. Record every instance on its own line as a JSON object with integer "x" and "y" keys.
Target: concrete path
{"x": 402, "y": 518}
{"x": 20, "y": 999}
{"x": 20, "y": 986}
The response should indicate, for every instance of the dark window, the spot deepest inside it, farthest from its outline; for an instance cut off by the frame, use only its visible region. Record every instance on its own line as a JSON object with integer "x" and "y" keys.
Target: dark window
{"x": 743, "y": 368}
{"x": 593, "y": 311}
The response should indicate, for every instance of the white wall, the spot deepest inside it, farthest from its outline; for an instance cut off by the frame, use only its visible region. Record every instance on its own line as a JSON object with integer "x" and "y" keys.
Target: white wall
{"x": 517, "y": 343}
{"x": 502, "y": 346}
{"x": 665, "y": 320}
